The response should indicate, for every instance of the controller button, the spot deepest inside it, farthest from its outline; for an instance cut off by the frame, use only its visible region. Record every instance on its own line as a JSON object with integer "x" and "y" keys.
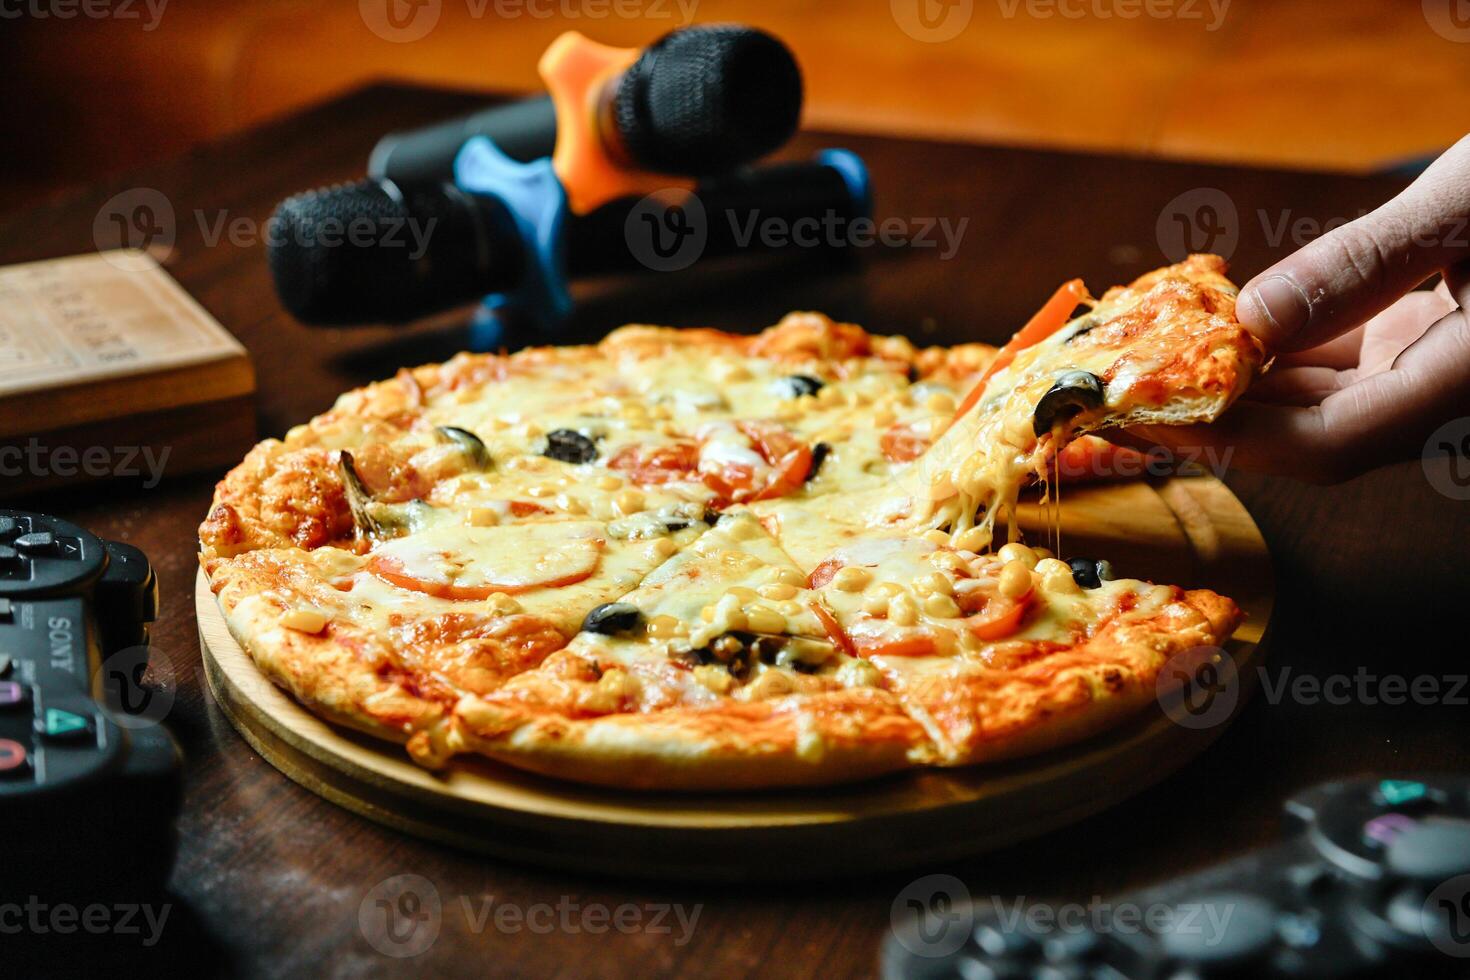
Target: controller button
{"x": 1311, "y": 880}
{"x": 6, "y": 664}
{"x": 12, "y": 695}
{"x": 1380, "y": 832}
{"x": 1433, "y": 851}
{"x": 1403, "y": 794}
{"x": 13, "y": 761}
{"x": 1220, "y": 930}
{"x": 36, "y": 543}
{"x": 999, "y": 942}
{"x": 1073, "y": 946}
{"x": 62, "y": 725}
{"x": 7, "y": 613}
{"x": 9, "y": 528}
{"x": 1300, "y": 931}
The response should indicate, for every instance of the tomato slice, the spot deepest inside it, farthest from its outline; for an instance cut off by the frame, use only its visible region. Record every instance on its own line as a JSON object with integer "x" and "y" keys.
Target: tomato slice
{"x": 789, "y": 459}
{"x": 669, "y": 463}
{"x": 1000, "y": 618}
{"x": 391, "y": 571}
{"x": 824, "y": 573}
{"x": 834, "y": 628}
{"x": 1054, "y": 314}
{"x": 901, "y": 444}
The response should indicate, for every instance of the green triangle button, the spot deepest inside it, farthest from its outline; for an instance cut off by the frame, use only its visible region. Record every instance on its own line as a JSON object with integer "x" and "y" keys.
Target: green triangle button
{"x": 1397, "y": 792}
{"x": 60, "y": 723}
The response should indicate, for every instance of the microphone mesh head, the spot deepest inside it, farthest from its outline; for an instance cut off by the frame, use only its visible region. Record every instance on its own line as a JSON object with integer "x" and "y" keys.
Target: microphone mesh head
{"x": 705, "y": 100}
{"x": 367, "y": 252}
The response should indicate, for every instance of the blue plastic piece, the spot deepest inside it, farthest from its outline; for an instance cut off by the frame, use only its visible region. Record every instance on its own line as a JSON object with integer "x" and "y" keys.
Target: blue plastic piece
{"x": 855, "y": 173}
{"x": 537, "y": 203}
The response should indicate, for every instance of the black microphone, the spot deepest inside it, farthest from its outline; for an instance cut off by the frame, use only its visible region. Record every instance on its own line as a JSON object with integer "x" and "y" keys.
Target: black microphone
{"x": 700, "y": 100}
{"x": 376, "y": 252}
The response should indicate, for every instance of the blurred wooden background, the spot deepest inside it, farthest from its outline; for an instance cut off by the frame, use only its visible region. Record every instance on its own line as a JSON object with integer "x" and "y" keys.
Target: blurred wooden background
{"x": 1351, "y": 84}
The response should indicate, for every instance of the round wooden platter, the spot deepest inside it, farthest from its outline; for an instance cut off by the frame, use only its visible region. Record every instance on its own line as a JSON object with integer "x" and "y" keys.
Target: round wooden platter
{"x": 1186, "y": 530}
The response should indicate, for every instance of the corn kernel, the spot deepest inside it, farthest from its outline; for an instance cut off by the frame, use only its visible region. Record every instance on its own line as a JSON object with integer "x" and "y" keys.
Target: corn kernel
{"x": 662, "y": 548}
{"x": 570, "y": 504}
{"x": 934, "y": 582}
{"x": 1017, "y": 552}
{"x": 788, "y": 608}
{"x": 663, "y": 627}
{"x": 742, "y": 593}
{"x": 541, "y": 490}
{"x": 1015, "y": 579}
{"x": 1056, "y": 577}
{"x": 482, "y": 517}
{"x": 972, "y": 539}
{"x": 760, "y": 619}
{"x": 777, "y": 590}
{"x": 937, "y": 537}
{"x": 852, "y": 578}
{"x": 715, "y": 679}
{"x": 859, "y": 673}
{"x": 1048, "y": 566}
{"x": 628, "y": 501}
{"x": 1043, "y": 553}
{"x": 305, "y": 620}
{"x": 501, "y": 604}
{"x": 875, "y": 604}
{"x": 607, "y": 482}
{"x": 903, "y": 610}
{"x": 884, "y": 417}
{"x": 939, "y": 403}
{"x": 941, "y": 605}
{"x": 788, "y": 575}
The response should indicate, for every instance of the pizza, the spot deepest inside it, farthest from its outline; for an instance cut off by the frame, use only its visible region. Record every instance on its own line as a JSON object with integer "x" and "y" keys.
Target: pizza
{"x": 691, "y": 559}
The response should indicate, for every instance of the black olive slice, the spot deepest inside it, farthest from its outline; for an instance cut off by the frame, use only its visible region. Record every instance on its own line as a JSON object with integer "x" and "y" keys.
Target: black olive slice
{"x": 1090, "y": 573}
{"x": 796, "y": 385}
{"x": 469, "y": 444}
{"x": 819, "y": 454}
{"x": 612, "y": 617}
{"x": 1075, "y": 391}
{"x": 570, "y": 446}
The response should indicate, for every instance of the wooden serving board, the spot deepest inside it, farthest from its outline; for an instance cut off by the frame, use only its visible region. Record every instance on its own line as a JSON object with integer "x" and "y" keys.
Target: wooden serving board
{"x": 1186, "y": 530}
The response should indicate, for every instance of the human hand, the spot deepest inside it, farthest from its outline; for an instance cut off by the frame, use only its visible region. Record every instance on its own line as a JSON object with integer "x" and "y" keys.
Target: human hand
{"x": 1366, "y": 367}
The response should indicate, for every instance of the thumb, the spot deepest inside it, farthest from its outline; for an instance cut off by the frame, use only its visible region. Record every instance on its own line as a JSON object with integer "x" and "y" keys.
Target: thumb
{"x": 1356, "y": 271}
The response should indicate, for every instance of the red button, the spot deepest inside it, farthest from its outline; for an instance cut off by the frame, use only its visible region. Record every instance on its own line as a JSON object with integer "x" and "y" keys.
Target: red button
{"x": 12, "y": 757}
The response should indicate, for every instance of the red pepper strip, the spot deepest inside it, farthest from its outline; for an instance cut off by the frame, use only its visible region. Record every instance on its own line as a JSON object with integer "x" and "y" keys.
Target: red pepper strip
{"x": 1054, "y": 314}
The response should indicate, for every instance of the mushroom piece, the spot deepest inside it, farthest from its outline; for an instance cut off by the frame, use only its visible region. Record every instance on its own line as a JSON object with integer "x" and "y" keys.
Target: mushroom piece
{"x": 469, "y": 444}
{"x": 1074, "y": 392}
{"x": 359, "y": 498}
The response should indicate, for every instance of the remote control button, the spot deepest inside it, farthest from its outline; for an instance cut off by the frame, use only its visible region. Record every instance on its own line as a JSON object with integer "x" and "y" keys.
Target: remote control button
{"x": 36, "y": 543}
{"x": 1208, "y": 941}
{"x": 12, "y": 695}
{"x": 1405, "y": 794}
{"x": 1380, "y": 832}
{"x": 14, "y": 762}
{"x": 1433, "y": 851}
{"x": 60, "y": 725}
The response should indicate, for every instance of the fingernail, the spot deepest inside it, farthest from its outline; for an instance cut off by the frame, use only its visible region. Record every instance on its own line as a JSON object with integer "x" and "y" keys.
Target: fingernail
{"x": 1284, "y": 304}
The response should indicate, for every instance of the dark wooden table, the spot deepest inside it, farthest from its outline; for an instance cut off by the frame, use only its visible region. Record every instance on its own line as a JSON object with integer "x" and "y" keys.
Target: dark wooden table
{"x": 1372, "y": 574}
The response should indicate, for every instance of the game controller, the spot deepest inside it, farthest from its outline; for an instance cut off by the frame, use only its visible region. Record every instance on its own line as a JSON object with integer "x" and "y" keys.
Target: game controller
{"x": 89, "y": 781}
{"x": 1373, "y": 881}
